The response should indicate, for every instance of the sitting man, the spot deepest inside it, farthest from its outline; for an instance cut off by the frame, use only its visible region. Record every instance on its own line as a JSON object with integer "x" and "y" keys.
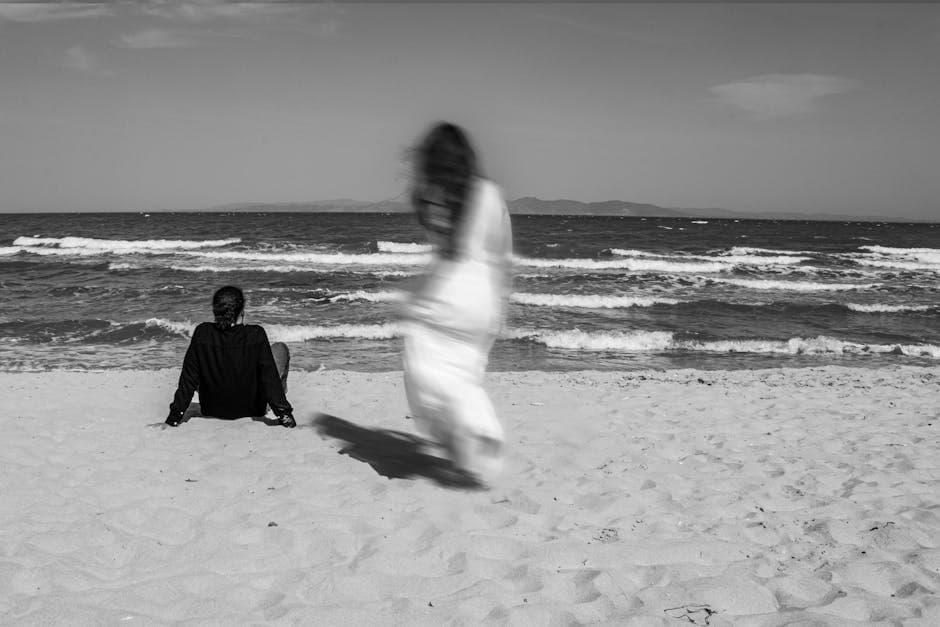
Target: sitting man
{"x": 231, "y": 364}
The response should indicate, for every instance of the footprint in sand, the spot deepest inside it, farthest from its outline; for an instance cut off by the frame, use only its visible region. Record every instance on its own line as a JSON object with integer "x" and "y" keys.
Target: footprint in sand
{"x": 520, "y": 502}
{"x": 495, "y": 518}
{"x": 695, "y": 614}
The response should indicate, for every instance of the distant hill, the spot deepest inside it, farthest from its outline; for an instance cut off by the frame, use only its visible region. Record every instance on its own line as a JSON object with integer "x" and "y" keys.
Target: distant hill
{"x": 530, "y": 205}
{"x": 521, "y": 206}
{"x": 537, "y": 206}
{"x": 338, "y": 205}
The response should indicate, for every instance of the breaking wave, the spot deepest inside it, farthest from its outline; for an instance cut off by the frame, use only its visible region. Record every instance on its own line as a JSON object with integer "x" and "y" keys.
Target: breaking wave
{"x": 795, "y": 286}
{"x": 371, "y": 259}
{"x": 597, "y": 340}
{"x": 645, "y": 341}
{"x": 402, "y": 247}
{"x": 302, "y": 333}
{"x": 750, "y": 250}
{"x": 878, "y": 308}
{"x": 373, "y": 297}
{"x": 635, "y": 265}
{"x": 175, "y": 327}
{"x": 590, "y": 301}
{"x": 119, "y": 245}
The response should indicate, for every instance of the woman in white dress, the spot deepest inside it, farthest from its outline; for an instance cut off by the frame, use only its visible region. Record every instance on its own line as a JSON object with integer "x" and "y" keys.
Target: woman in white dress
{"x": 453, "y": 313}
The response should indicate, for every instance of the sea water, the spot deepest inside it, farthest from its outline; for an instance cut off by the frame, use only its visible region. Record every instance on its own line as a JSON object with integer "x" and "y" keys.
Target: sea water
{"x": 102, "y": 291}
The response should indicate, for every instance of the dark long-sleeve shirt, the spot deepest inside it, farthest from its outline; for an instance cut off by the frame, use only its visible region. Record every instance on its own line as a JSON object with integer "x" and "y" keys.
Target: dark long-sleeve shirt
{"x": 234, "y": 371}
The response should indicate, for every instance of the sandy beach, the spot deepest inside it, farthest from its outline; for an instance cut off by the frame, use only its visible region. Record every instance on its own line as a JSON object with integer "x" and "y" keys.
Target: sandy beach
{"x": 764, "y": 497}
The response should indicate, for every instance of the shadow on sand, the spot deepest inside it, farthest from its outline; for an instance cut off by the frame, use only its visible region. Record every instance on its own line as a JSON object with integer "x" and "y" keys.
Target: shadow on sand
{"x": 393, "y": 454}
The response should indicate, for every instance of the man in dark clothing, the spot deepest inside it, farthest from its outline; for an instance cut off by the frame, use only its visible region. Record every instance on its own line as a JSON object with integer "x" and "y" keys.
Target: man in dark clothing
{"x": 233, "y": 367}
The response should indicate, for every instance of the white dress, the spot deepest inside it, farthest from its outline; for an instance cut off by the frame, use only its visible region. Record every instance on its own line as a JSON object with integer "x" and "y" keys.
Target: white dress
{"x": 450, "y": 321}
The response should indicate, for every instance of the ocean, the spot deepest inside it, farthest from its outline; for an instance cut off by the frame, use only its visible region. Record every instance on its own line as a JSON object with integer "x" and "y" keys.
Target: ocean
{"x": 124, "y": 291}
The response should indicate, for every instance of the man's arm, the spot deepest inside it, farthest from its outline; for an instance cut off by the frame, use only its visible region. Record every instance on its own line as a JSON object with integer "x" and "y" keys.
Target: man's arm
{"x": 271, "y": 383}
{"x": 188, "y": 384}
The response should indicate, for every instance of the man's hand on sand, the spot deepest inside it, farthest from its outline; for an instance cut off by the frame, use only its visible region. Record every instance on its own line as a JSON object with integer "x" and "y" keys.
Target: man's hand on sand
{"x": 173, "y": 420}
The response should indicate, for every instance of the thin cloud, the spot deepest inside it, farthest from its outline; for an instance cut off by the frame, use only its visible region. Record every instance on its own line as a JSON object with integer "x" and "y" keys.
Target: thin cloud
{"x": 781, "y": 95}
{"x": 563, "y": 20}
{"x": 324, "y": 18}
{"x": 34, "y": 12}
{"x": 80, "y": 59}
{"x": 155, "y": 38}
{"x": 210, "y": 9}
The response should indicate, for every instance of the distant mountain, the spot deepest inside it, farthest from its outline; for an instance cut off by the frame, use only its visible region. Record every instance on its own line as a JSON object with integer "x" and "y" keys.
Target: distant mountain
{"x": 522, "y": 206}
{"x": 537, "y": 206}
{"x": 529, "y": 205}
{"x": 338, "y": 205}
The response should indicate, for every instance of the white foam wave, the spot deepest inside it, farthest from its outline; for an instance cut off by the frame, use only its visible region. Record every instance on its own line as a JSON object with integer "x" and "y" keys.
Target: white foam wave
{"x": 184, "y": 328}
{"x": 118, "y": 245}
{"x": 61, "y": 252}
{"x": 403, "y": 247}
{"x": 386, "y": 273}
{"x": 295, "y": 333}
{"x": 904, "y": 258}
{"x": 750, "y": 250}
{"x": 900, "y": 264}
{"x": 241, "y": 268}
{"x": 727, "y": 258}
{"x": 699, "y": 221}
{"x": 634, "y": 265}
{"x": 70, "y": 246}
{"x": 625, "y": 252}
{"x": 931, "y": 258}
{"x": 921, "y": 350}
{"x": 345, "y": 259}
{"x": 596, "y": 341}
{"x": 302, "y": 333}
{"x": 116, "y": 267}
{"x": 795, "y": 286}
{"x": 589, "y": 301}
{"x": 820, "y": 345}
{"x": 9, "y": 250}
{"x": 887, "y": 250}
{"x": 374, "y": 297}
{"x": 763, "y": 260}
{"x": 644, "y": 341}
{"x": 878, "y": 308}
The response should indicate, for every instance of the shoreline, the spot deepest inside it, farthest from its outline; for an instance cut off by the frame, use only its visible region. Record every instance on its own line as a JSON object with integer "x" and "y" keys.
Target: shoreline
{"x": 930, "y": 365}
{"x": 748, "y": 497}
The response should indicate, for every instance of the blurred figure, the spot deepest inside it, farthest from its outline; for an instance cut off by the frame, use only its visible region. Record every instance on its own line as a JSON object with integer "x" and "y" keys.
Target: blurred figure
{"x": 234, "y": 368}
{"x": 454, "y": 311}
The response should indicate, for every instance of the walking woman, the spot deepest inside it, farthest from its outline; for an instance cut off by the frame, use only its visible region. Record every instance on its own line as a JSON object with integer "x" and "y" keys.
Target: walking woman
{"x": 454, "y": 312}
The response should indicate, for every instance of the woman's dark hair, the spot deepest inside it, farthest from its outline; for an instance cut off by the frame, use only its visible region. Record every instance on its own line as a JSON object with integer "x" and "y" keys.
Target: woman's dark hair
{"x": 227, "y": 304}
{"x": 446, "y": 164}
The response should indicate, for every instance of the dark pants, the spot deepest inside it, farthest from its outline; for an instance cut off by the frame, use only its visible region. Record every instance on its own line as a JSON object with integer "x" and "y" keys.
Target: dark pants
{"x": 281, "y": 361}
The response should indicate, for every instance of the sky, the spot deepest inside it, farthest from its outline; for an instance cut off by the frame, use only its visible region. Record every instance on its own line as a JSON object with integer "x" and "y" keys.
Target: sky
{"x": 753, "y": 107}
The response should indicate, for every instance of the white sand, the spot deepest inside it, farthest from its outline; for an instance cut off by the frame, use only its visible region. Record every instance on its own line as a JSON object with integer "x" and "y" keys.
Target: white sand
{"x": 742, "y": 498}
